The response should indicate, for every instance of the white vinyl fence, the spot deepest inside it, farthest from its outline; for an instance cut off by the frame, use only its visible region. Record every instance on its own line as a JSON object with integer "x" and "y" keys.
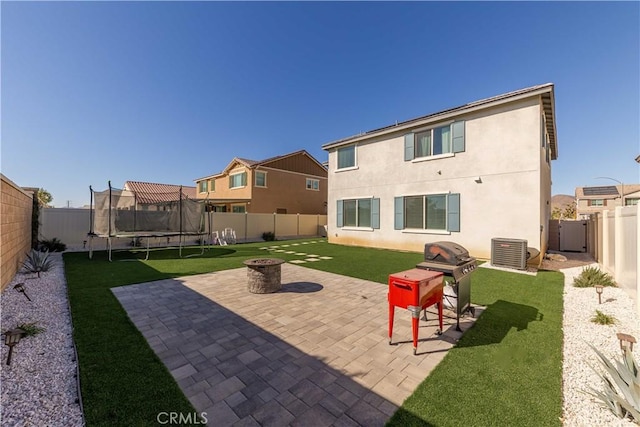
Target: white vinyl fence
{"x": 71, "y": 226}
{"x": 617, "y": 247}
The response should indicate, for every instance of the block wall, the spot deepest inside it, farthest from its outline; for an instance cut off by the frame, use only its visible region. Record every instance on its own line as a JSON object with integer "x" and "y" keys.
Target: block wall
{"x": 15, "y": 228}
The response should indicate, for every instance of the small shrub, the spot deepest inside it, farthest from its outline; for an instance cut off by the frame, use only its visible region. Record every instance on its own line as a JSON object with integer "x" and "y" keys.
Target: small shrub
{"x": 53, "y": 245}
{"x": 37, "y": 262}
{"x": 603, "y": 319}
{"x": 30, "y": 329}
{"x": 591, "y": 276}
{"x": 268, "y": 236}
{"x": 136, "y": 243}
{"x": 621, "y": 393}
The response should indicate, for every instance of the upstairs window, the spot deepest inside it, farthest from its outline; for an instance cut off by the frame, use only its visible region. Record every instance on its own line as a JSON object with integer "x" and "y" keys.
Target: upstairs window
{"x": 596, "y": 202}
{"x": 238, "y": 180}
{"x": 347, "y": 157}
{"x": 203, "y": 186}
{"x": 212, "y": 185}
{"x": 313, "y": 184}
{"x": 261, "y": 179}
{"x": 434, "y": 141}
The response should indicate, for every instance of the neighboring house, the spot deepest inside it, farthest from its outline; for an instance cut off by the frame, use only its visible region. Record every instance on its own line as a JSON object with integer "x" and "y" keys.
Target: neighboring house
{"x": 592, "y": 200}
{"x": 294, "y": 183}
{"x": 152, "y": 196}
{"x": 466, "y": 174}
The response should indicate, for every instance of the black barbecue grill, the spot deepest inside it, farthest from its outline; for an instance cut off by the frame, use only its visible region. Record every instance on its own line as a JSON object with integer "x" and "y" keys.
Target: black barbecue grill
{"x": 454, "y": 261}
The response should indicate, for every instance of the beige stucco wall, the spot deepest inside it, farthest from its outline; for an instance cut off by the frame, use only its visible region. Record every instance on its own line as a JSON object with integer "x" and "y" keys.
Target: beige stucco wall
{"x": 15, "y": 228}
{"x": 502, "y": 147}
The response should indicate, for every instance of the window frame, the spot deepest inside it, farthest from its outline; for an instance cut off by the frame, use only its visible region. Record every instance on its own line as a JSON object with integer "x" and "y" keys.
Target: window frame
{"x": 255, "y": 181}
{"x": 355, "y": 157}
{"x": 372, "y": 223}
{"x": 312, "y": 181}
{"x": 451, "y": 213}
{"x": 424, "y": 215}
{"x": 232, "y": 178}
{"x": 206, "y": 186}
{"x": 456, "y": 141}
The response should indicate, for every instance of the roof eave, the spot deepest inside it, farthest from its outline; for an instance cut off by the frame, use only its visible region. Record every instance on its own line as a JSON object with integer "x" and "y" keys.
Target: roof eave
{"x": 453, "y": 112}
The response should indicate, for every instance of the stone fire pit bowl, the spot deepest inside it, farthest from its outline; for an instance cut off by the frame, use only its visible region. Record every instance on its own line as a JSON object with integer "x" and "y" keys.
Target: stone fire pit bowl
{"x": 263, "y": 275}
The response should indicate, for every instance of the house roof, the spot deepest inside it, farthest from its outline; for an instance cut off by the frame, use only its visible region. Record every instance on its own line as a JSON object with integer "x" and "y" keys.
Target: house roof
{"x": 544, "y": 90}
{"x": 151, "y": 192}
{"x": 252, "y": 164}
{"x": 606, "y": 191}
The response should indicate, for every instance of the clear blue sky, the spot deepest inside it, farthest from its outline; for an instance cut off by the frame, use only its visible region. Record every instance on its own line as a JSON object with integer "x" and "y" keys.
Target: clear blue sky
{"x": 169, "y": 92}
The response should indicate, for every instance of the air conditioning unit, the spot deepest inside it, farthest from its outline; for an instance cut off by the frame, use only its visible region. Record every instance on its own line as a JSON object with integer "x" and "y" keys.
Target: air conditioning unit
{"x": 510, "y": 253}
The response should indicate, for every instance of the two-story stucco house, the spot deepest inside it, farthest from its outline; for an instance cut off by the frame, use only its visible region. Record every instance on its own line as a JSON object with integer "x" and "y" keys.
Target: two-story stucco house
{"x": 294, "y": 183}
{"x": 466, "y": 174}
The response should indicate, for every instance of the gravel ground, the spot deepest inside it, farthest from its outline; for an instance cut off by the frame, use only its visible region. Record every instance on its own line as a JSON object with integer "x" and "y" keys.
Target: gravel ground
{"x": 580, "y": 305}
{"x": 39, "y": 387}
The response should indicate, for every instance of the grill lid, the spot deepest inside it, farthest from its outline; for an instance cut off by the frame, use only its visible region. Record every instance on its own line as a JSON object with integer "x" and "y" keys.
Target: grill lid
{"x": 444, "y": 252}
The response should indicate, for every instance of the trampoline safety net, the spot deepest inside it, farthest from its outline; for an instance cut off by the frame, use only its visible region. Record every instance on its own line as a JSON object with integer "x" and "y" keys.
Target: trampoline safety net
{"x": 119, "y": 212}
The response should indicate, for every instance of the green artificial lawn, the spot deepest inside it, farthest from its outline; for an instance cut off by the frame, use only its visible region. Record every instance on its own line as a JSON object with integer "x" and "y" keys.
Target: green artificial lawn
{"x": 505, "y": 371}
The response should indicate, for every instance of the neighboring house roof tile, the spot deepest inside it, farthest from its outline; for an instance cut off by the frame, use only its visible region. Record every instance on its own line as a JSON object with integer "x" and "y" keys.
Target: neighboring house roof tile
{"x": 150, "y": 192}
{"x": 545, "y": 90}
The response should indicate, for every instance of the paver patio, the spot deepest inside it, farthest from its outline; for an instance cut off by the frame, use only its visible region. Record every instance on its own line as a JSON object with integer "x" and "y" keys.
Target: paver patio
{"x": 315, "y": 353}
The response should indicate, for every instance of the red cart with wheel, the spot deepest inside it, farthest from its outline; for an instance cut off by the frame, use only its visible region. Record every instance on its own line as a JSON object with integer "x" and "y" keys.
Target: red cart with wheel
{"x": 415, "y": 290}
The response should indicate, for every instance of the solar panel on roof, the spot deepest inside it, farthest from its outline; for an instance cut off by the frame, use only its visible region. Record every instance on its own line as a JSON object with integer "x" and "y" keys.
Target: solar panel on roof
{"x": 608, "y": 190}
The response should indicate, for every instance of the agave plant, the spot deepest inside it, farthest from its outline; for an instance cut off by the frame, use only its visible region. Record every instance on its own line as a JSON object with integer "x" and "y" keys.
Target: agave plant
{"x": 591, "y": 276}
{"x": 621, "y": 393}
{"x": 37, "y": 262}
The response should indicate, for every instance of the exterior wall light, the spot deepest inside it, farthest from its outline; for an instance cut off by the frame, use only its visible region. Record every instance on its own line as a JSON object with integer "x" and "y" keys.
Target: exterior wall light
{"x": 12, "y": 338}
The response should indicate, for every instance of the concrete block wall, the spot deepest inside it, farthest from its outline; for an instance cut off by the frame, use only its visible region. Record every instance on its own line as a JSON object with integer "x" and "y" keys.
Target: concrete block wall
{"x": 15, "y": 228}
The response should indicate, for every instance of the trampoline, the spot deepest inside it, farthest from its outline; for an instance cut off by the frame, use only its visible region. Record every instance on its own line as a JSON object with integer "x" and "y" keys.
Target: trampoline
{"x": 123, "y": 213}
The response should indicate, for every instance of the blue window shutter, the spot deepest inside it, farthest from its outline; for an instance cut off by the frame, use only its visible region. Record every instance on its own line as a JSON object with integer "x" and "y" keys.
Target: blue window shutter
{"x": 408, "y": 147}
{"x": 398, "y": 213}
{"x": 375, "y": 213}
{"x": 453, "y": 212}
{"x": 457, "y": 129}
{"x": 339, "y": 214}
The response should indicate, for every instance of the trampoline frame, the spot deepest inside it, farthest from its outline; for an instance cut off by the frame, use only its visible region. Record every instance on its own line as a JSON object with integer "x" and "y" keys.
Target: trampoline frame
{"x": 148, "y": 234}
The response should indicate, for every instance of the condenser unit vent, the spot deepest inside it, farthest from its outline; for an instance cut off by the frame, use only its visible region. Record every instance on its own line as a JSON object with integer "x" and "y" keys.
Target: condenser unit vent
{"x": 510, "y": 253}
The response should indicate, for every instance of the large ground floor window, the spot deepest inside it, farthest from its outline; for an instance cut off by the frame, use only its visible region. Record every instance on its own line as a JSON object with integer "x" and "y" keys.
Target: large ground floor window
{"x": 359, "y": 213}
{"x": 438, "y": 212}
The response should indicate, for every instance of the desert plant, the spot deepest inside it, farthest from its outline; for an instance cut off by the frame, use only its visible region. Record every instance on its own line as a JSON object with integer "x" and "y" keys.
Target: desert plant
{"x": 603, "y": 319}
{"x": 53, "y": 245}
{"x": 37, "y": 262}
{"x": 621, "y": 393}
{"x": 268, "y": 236}
{"x": 30, "y": 329}
{"x": 591, "y": 276}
